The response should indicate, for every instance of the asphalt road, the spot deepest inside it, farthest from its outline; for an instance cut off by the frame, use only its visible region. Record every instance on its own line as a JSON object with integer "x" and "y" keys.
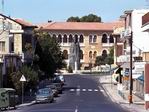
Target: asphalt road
{"x": 82, "y": 93}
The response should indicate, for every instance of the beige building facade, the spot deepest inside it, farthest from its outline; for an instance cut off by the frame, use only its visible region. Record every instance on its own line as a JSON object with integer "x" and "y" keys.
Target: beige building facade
{"x": 95, "y": 39}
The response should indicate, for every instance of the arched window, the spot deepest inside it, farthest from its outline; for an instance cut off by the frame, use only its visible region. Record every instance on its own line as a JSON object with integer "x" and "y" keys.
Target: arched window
{"x": 59, "y": 38}
{"x": 54, "y": 36}
{"x": 81, "y": 54}
{"x": 104, "y": 38}
{"x": 76, "y": 38}
{"x": 70, "y": 38}
{"x": 65, "y": 38}
{"x": 95, "y": 39}
{"x": 95, "y": 54}
{"x": 111, "y": 39}
{"x": 90, "y": 39}
{"x": 104, "y": 53}
{"x": 90, "y": 54}
{"x": 65, "y": 54}
{"x": 81, "y": 39}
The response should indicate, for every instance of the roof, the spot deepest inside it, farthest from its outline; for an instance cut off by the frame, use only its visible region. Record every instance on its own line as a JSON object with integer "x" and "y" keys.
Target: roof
{"x": 25, "y": 23}
{"x": 88, "y": 26}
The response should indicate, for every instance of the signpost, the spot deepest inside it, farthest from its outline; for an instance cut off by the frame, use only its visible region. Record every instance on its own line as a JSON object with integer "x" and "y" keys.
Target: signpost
{"x": 23, "y": 79}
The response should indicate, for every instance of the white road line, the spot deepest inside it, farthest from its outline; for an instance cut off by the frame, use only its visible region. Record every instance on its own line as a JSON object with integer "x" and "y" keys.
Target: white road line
{"x": 83, "y": 89}
{"x": 72, "y": 89}
{"x": 102, "y": 90}
{"x": 76, "y": 110}
{"x": 95, "y": 90}
{"x": 77, "y": 89}
{"x": 90, "y": 90}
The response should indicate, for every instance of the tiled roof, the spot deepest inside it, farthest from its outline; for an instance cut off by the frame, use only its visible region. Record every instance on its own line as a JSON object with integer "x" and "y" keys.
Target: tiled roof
{"x": 25, "y": 23}
{"x": 89, "y": 26}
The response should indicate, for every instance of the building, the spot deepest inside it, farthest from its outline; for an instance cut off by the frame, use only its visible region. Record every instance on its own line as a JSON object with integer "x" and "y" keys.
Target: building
{"x": 95, "y": 38}
{"x": 14, "y": 36}
{"x": 145, "y": 28}
{"x": 133, "y": 27}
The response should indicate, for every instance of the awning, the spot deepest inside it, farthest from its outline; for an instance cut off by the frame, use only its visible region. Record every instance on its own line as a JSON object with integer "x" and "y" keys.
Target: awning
{"x": 141, "y": 78}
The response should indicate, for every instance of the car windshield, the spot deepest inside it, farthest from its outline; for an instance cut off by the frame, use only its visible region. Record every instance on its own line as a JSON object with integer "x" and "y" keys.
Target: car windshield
{"x": 43, "y": 91}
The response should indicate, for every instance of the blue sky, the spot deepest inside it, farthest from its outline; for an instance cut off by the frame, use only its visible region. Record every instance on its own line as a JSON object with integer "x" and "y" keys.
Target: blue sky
{"x": 39, "y": 11}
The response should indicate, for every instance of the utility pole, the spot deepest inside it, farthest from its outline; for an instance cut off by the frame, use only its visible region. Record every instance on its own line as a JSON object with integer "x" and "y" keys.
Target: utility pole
{"x": 130, "y": 76}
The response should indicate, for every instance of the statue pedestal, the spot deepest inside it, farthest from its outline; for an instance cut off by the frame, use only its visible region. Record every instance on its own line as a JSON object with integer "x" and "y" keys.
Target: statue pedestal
{"x": 76, "y": 67}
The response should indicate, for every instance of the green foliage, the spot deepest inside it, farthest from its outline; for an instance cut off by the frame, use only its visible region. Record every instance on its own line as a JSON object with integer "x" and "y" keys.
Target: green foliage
{"x": 30, "y": 75}
{"x": 49, "y": 53}
{"x": 100, "y": 60}
{"x": 105, "y": 59}
{"x": 86, "y": 18}
{"x": 73, "y": 19}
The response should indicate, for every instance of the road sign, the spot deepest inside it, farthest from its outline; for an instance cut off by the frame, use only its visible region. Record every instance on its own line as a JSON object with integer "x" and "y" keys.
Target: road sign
{"x": 22, "y": 79}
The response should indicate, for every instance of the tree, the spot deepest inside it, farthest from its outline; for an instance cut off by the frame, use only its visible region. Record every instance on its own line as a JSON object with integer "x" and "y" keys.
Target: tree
{"x": 30, "y": 75}
{"x": 73, "y": 19}
{"x": 99, "y": 61}
{"x": 90, "y": 18}
{"x": 49, "y": 53}
{"x": 86, "y": 18}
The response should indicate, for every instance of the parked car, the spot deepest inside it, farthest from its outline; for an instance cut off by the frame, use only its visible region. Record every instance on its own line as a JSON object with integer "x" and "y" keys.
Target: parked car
{"x": 54, "y": 89}
{"x": 58, "y": 78}
{"x": 44, "y": 95}
{"x": 58, "y": 87}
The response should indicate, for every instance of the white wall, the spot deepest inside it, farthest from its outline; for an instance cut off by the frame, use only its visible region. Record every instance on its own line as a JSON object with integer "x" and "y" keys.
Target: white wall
{"x": 140, "y": 38}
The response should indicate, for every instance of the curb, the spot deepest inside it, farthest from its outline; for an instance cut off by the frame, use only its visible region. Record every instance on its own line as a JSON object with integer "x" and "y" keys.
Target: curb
{"x": 26, "y": 104}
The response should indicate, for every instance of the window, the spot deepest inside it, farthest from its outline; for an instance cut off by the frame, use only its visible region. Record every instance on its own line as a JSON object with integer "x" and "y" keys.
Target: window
{"x": 94, "y": 39}
{"x": 76, "y": 38}
{"x": 81, "y": 39}
{"x": 104, "y": 38}
{"x": 81, "y": 54}
{"x": 70, "y": 38}
{"x": 111, "y": 40}
{"x": 65, "y": 54}
{"x": 95, "y": 54}
{"x": 65, "y": 38}
{"x": 90, "y": 54}
{"x": 59, "y": 38}
{"x": 104, "y": 53}
{"x": 54, "y": 36}
{"x": 2, "y": 46}
{"x": 90, "y": 39}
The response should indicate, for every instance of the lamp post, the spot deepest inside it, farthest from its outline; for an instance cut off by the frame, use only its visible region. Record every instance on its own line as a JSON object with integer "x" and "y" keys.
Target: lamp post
{"x": 130, "y": 76}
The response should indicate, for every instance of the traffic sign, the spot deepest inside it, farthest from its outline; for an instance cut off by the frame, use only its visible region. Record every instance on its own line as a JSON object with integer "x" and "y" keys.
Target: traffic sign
{"x": 22, "y": 79}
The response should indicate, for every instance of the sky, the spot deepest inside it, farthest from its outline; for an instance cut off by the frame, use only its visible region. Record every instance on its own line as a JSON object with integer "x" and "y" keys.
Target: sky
{"x": 39, "y": 11}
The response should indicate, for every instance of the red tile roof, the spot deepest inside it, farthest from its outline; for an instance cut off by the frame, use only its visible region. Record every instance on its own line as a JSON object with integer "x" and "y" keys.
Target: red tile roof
{"x": 88, "y": 26}
{"x": 24, "y": 23}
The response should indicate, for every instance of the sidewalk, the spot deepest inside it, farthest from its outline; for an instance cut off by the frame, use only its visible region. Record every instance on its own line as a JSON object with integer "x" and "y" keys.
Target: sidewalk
{"x": 111, "y": 90}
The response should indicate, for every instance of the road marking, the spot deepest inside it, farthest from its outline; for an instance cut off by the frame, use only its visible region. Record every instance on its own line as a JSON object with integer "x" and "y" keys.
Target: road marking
{"x": 83, "y": 89}
{"x": 72, "y": 89}
{"x": 102, "y": 90}
{"x": 90, "y": 90}
{"x": 76, "y": 110}
{"x": 95, "y": 90}
{"x": 77, "y": 89}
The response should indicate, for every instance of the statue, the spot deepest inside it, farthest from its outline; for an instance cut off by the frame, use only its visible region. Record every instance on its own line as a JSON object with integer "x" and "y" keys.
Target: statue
{"x": 74, "y": 56}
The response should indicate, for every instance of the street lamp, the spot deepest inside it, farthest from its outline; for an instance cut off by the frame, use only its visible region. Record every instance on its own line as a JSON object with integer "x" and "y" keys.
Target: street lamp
{"x": 130, "y": 76}
{"x": 129, "y": 35}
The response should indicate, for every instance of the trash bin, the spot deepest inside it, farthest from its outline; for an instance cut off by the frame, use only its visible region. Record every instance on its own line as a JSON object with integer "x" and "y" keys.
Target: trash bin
{"x": 7, "y": 98}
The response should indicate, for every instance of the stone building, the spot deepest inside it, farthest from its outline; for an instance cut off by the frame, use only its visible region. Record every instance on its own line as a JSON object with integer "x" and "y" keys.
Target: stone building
{"x": 94, "y": 38}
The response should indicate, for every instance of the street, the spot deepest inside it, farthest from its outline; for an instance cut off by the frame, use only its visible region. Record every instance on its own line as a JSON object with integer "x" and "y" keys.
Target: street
{"x": 82, "y": 93}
